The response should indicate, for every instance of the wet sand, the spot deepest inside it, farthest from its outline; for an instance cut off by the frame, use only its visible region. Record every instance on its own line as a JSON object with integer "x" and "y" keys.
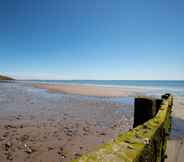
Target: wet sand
{"x": 175, "y": 148}
{"x": 52, "y": 127}
{"x": 39, "y": 126}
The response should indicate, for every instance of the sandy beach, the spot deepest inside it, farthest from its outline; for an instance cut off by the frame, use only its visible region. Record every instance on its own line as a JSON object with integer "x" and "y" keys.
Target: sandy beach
{"x": 52, "y": 127}
{"x": 88, "y": 90}
{"x": 45, "y": 122}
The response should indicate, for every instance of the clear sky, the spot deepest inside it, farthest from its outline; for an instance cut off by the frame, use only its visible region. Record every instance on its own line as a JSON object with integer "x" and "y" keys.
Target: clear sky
{"x": 92, "y": 39}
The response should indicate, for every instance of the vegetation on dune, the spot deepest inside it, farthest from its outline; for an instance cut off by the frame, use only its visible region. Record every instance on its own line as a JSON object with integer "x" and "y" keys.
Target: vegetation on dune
{"x": 5, "y": 78}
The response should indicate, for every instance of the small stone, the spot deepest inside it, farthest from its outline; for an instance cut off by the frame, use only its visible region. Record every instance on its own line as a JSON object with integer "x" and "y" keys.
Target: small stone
{"x": 62, "y": 154}
{"x": 18, "y": 117}
{"x": 28, "y": 149}
{"x": 50, "y": 148}
{"x": 102, "y": 134}
{"x": 6, "y": 134}
{"x": 9, "y": 156}
{"x": 61, "y": 149}
{"x": 24, "y": 138}
{"x": 9, "y": 126}
{"x": 85, "y": 129}
{"x": 77, "y": 155}
{"x": 114, "y": 126}
{"x": 7, "y": 146}
{"x": 2, "y": 138}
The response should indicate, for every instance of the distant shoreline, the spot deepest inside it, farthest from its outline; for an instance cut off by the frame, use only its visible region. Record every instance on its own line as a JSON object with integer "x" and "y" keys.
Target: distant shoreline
{"x": 2, "y": 77}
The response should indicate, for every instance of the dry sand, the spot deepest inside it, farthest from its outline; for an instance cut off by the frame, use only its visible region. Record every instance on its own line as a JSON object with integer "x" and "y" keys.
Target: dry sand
{"x": 88, "y": 90}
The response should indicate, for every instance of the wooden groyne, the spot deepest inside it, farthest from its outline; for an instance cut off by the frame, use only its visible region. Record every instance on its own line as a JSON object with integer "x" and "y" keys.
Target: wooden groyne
{"x": 146, "y": 142}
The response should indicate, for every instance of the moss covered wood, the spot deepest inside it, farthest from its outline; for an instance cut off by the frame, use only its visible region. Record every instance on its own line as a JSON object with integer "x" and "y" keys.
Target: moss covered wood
{"x": 145, "y": 143}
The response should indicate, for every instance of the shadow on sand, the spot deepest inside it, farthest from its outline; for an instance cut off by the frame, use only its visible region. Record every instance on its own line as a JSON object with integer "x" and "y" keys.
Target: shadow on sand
{"x": 177, "y": 131}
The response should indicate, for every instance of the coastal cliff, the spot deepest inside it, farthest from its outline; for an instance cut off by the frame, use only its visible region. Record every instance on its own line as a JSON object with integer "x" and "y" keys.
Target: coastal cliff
{"x": 2, "y": 77}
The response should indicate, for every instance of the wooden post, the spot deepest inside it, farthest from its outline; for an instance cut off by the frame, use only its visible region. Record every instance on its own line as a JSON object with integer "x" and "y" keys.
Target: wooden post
{"x": 158, "y": 104}
{"x": 166, "y": 96}
{"x": 144, "y": 109}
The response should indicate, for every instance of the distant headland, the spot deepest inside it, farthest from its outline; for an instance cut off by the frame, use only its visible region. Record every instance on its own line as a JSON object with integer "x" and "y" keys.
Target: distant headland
{"x": 2, "y": 77}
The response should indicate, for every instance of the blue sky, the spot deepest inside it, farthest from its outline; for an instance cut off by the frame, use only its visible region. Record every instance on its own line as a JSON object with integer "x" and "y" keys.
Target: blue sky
{"x": 92, "y": 39}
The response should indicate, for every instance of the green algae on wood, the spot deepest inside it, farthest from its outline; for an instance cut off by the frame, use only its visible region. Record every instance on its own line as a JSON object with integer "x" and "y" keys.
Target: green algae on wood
{"x": 144, "y": 143}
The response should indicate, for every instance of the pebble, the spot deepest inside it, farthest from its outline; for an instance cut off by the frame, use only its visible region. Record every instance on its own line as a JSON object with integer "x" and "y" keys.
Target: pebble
{"x": 28, "y": 149}
{"x": 77, "y": 155}
{"x": 9, "y": 126}
{"x": 2, "y": 138}
{"x": 61, "y": 152}
{"x": 24, "y": 138}
{"x": 50, "y": 148}
{"x": 6, "y": 134}
{"x": 18, "y": 117}
{"x": 102, "y": 134}
{"x": 68, "y": 131}
{"x": 9, "y": 156}
{"x": 7, "y": 146}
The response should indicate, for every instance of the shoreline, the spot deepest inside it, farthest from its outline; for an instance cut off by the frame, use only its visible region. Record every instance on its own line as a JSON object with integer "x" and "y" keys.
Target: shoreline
{"x": 89, "y": 90}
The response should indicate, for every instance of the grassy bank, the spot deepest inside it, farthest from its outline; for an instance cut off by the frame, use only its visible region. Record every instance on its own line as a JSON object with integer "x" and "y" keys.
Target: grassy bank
{"x": 2, "y": 77}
